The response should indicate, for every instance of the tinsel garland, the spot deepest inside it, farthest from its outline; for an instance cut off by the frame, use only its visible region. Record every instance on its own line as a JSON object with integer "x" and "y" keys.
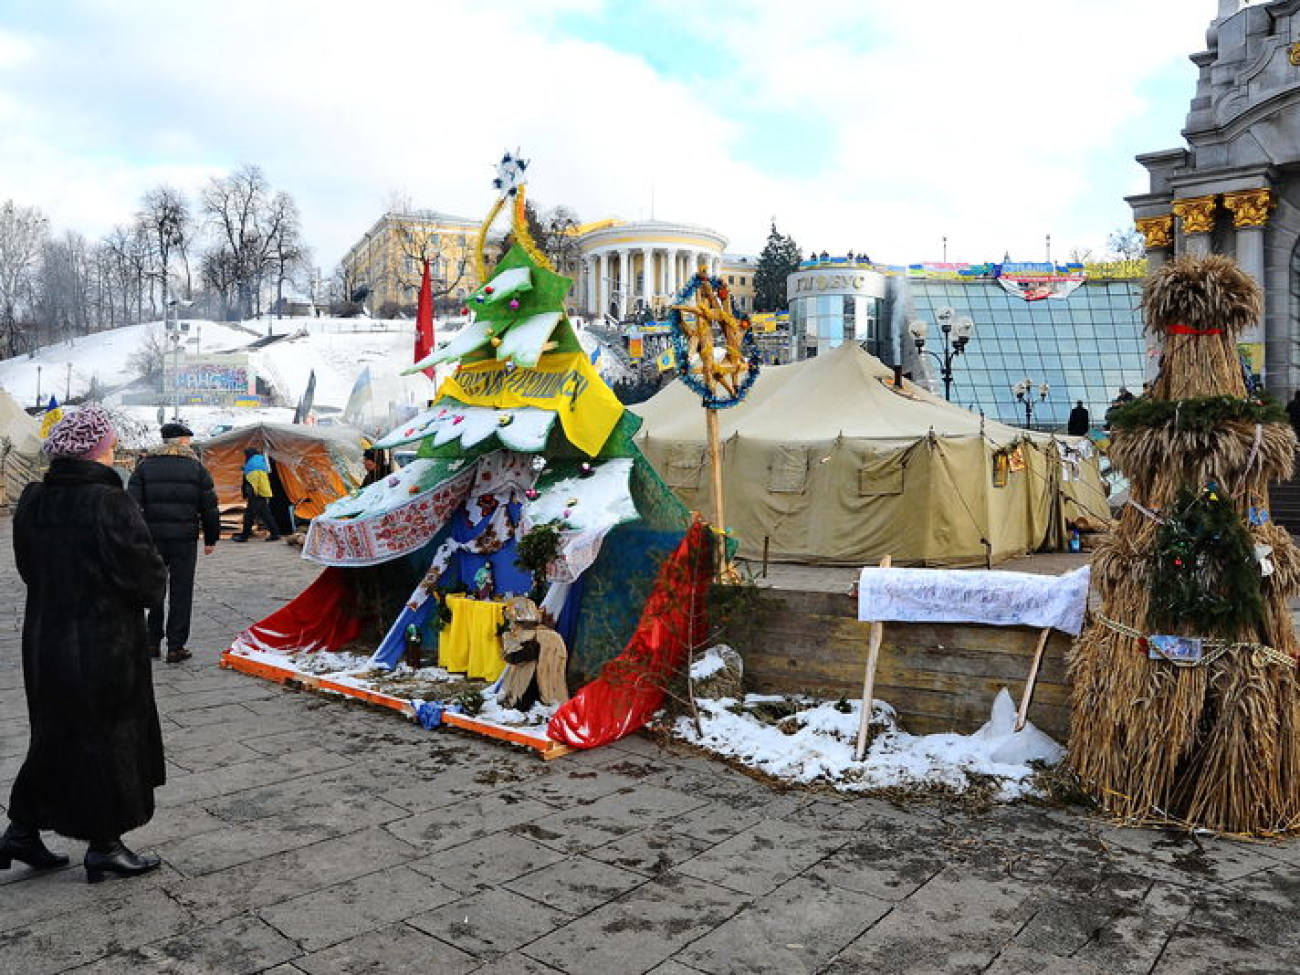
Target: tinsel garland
{"x": 1204, "y": 575}
{"x": 525, "y": 236}
{"x": 1204, "y": 414}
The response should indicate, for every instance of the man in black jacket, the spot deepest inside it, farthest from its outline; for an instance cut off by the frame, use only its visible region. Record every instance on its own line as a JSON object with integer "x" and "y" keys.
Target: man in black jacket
{"x": 176, "y": 494}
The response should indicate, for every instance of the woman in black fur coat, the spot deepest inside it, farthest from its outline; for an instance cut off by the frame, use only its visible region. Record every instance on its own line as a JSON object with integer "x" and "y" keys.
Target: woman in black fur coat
{"x": 95, "y": 754}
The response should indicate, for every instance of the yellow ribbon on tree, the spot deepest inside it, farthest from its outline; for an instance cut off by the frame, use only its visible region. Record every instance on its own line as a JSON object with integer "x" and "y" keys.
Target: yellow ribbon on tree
{"x": 564, "y": 382}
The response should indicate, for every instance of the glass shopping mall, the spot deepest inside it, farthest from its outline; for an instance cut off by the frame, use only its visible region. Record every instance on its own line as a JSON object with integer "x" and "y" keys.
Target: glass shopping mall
{"x": 1074, "y": 331}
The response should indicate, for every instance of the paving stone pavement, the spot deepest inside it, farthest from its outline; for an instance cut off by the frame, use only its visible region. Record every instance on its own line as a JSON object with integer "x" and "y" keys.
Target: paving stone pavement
{"x": 302, "y": 834}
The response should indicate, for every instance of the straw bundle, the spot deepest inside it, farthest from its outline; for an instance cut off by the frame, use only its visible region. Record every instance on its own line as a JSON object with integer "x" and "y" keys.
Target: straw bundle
{"x": 1215, "y": 743}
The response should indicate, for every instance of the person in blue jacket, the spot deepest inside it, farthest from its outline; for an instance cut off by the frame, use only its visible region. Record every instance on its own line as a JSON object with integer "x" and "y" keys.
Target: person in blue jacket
{"x": 256, "y": 489}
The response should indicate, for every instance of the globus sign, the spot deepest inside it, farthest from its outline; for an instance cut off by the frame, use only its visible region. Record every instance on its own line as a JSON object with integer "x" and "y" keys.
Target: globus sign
{"x": 834, "y": 281}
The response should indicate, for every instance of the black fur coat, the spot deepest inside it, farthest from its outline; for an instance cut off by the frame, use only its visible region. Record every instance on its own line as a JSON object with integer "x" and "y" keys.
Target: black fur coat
{"x": 95, "y": 754}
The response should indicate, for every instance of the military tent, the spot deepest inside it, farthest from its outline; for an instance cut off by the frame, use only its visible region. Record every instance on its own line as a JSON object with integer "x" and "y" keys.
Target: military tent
{"x": 20, "y": 448}
{"x": 311, "y": 465}
{"x": 829, "y": 461}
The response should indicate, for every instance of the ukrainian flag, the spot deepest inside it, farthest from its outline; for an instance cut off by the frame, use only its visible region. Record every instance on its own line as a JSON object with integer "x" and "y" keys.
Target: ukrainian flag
{"x": 52, "y": 415}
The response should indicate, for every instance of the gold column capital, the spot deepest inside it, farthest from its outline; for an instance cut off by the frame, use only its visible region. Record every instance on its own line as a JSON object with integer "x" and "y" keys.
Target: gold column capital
{"x": 1158, "y": 231}
{"x": 1250, "y": 208}
{"x": 1196, "y": 213}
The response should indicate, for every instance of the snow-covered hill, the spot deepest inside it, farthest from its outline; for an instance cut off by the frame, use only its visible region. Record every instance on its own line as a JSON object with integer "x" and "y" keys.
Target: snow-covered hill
{"x": 338, "y": 350}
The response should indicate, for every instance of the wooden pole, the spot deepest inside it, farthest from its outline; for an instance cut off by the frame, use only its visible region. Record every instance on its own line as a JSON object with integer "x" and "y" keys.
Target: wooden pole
{"x": 715, "y": 463}
{"x": 719, "y": 508}
{"x": 869, "y": 676}
{"x": 1032, "y": 679}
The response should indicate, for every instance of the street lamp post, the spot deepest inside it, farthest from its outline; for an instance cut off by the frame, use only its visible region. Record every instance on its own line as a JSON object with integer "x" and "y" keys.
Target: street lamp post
{"x": 956, "y": 333}
{"x": 38, "y": 386}
{"x": 1024, "y": 393}
{"x": 172, "y": 326}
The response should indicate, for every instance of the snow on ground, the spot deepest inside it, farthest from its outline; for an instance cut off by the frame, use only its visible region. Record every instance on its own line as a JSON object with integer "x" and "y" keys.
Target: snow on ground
{"x": 798, "y": 739}
{"x": 815, "y": 746}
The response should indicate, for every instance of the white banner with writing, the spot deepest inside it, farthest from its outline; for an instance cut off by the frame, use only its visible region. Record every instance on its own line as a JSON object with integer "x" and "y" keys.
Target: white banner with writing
{"x": 966, "y": 596}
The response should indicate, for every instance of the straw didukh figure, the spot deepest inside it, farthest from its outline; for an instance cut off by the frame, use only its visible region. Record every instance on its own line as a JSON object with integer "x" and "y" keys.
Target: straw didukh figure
{"x": 1184, "y": 700}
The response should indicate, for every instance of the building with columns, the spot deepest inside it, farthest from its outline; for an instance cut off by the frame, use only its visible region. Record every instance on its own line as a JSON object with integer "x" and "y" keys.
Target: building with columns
{"x": 630, "y": 267}
{"x": 1234, "y": 188}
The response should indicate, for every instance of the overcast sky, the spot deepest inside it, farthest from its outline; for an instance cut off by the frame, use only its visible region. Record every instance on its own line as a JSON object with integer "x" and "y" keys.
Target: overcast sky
{"x": 868, "y": 125}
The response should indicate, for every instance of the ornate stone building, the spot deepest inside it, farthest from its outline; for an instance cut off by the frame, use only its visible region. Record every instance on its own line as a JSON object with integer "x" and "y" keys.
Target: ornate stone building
{"x": 1234, "y": 188}
{"x": 628, "y": 267}
{"x": 619, "y": 268}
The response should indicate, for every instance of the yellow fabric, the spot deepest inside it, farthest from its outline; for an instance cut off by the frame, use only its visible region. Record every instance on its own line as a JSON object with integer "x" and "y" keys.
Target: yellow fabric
{"x": 470, "y": 643}
{"x": 564, "y": 382}
{"x": 260, "y": 482}
{"x": 48, "y": 419}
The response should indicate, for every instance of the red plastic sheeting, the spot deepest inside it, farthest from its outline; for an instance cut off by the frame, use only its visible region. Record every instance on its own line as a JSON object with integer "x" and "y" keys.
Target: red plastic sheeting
{"x": 317, "y": 618}
{"x": 630, "y": 687}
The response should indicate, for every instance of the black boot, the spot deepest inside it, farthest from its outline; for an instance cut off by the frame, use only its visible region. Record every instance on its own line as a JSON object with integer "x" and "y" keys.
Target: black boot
{"x": 112, "y": 856}
{"x": 24, "y": 844}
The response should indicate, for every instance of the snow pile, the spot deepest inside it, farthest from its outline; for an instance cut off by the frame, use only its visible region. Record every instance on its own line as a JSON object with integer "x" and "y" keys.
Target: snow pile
{"x": 815, "y": 745}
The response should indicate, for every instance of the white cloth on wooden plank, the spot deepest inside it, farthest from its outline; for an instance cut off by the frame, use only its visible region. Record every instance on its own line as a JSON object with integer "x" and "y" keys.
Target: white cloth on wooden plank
{"x": 968, "y": 596}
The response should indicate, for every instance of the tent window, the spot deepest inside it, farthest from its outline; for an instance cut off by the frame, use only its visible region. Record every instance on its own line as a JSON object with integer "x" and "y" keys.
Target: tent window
{"x": 789, "y": 470}
{"x": 685, "y": 461}
{"x": 880, "y": 479}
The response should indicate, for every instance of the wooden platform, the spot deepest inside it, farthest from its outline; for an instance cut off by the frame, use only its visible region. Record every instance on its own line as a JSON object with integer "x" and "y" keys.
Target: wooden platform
{"x": 545, "y": 747}
{"x": 939, "y": 677}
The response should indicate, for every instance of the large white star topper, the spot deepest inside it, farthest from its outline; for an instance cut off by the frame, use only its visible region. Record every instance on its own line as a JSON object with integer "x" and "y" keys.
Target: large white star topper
{"x": 510, "y": 173}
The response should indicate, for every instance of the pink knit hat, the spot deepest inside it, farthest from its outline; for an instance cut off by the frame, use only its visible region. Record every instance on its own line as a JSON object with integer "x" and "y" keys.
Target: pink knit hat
{"x": 85, "y": 433}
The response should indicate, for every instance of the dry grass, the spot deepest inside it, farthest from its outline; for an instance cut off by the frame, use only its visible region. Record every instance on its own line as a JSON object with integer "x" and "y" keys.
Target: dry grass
{"x": 1215, "y": 746}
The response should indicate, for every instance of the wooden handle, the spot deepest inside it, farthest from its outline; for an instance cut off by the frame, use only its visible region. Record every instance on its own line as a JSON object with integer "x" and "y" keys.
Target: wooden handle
{"x": 1030, "y": 681}
{"x": 869, "y": 676}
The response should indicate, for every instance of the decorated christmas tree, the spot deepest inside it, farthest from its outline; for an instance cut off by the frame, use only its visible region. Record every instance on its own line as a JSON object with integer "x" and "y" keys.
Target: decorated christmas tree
{"x": 1185, "y": 706}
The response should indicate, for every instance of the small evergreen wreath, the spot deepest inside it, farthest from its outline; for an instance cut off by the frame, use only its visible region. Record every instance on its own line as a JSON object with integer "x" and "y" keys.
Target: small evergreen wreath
{"x": 1204, "y": 575}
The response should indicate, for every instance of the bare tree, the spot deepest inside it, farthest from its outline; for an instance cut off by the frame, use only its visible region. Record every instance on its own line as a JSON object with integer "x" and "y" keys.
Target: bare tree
{"x": 64, "y": 293}
{"x": 150, "y": 356}
{"x": 287, "y": 253}
{"x": 250, "y": 224}
{"x": 23, "y": 231}
{"x": 1127, "y": 244}
{"x": 450, "y": 262}
{"x": 128, "y": 260}
{"x": 218, "y": 276}
{"x": 164, "y": 219}
{"x": 560, "y": 239}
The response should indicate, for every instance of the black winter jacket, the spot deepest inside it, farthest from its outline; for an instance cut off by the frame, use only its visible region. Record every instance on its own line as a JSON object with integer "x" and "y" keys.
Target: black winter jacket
{"x": 95, "y": 754}
{"x": 175, "y": 492}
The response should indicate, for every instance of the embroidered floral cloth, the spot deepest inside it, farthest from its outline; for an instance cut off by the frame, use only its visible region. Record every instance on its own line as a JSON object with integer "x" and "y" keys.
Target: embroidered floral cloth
{"x": 964, "y": 596}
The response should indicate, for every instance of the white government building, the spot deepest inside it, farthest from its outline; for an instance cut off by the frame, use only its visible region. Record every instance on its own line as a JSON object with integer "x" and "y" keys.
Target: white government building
{"x": 628, "y": 267}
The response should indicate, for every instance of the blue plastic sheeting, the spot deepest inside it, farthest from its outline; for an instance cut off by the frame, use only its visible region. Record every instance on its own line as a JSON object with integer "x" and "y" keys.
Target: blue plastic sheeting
{"x": 617, "y": 586}
{"x": 567, "y": 624}
{"x": 393, "y": 645}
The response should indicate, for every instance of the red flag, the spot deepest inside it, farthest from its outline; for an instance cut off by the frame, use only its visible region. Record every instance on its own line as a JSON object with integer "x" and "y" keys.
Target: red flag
{"x": 424, "y": 321}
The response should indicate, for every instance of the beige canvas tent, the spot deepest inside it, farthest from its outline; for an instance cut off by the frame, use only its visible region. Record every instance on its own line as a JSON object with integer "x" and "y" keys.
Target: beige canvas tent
{"x": 20, "y": 449}
{"x": 827, "y": 461}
